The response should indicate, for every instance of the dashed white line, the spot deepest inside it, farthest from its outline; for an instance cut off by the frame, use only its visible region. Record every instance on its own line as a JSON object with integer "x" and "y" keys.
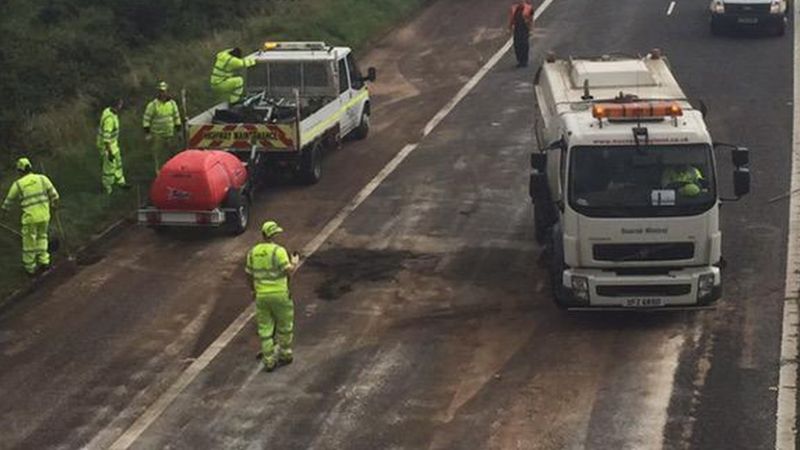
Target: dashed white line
{"x": 670, "y": 8}
{"x": 130, "y": 435}
{"x": 786, "y": 416}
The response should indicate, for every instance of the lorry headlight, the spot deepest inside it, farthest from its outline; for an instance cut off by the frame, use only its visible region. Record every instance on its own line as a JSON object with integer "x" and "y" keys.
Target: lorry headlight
{"x": 717, "y": 7}
{"x": 580, "y": 288}
{"x": 775, "y": 7}
{"x": 705, "y": 285}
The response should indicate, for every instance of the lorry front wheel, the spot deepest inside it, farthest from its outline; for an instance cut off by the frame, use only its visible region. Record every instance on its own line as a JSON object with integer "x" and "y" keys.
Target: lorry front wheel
{"x": 238, "y": 218}
{"x": 541, "y": 221}
{"x": 363, "y": 127}
{"x": 557, "y": 266}
{"x": 311, "y": 164}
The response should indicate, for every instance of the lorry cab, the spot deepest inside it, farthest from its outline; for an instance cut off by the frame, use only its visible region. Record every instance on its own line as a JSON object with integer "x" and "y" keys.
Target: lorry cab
{"x": 769, "y": 14}
{"x": 625, "y": 186}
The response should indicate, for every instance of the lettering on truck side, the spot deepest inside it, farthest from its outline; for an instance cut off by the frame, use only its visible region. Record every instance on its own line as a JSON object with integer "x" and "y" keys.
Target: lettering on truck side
{"x": 647, "y": 230}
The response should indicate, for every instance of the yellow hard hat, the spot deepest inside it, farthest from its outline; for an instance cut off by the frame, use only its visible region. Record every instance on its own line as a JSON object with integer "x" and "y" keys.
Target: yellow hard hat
{"x": 163, "y": 86}
{"x": 270, "y": 228}
{"x": 24, "y": 164}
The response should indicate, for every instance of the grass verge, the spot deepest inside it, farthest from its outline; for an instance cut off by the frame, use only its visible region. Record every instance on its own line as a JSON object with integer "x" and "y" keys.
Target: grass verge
{"x": 73, "y": 162}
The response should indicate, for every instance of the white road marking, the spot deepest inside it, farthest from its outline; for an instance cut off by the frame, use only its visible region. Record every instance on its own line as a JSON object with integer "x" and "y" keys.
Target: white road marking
{"x": 786, "y": 428}
{"x": 671, "y": 8}
{"x": 434, "y": 122}
{"x": 159, "y": 406}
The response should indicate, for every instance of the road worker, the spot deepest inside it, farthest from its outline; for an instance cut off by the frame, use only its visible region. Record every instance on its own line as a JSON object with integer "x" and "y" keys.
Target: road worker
{"x": 161, "y": 122}
{"x": 108, "y": 145}
{"x": 269, "y": 267}
{"x": 520, "y": 23}
{"x": 225, "y": 83}
{"x": 684, "y": 178}
{"x": 35, "y": 194}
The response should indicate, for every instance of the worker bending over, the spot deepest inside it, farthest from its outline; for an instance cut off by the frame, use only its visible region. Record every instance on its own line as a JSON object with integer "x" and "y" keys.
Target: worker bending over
{"x": 269, "y": 267}
{"x": 520, "y": 23}
{"x": 225, "y": 82}
{"x": 108, "y": 145}
{"x": 35, "y": 195}
{"x": 161, "y": 122}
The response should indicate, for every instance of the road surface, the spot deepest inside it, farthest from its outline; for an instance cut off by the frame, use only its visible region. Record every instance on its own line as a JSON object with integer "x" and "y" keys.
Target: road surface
{"x": 423, "y": 316}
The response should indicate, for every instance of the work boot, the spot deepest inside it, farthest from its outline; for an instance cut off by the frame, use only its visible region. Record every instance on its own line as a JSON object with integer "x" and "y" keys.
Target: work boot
{"x": 270, "y": 364}
{"x": 285, "y": 360}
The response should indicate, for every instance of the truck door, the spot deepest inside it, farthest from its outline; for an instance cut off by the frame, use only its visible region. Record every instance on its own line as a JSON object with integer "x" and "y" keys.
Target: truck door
{"x": 346, "y": 121}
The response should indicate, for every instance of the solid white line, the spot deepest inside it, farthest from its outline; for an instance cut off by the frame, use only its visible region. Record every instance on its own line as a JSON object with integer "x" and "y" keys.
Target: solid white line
{"x": 467, "y": 88}
{"x": 671, "y": 7}
{"x": 162, "y": 403}
{"x": 786, "y": 416}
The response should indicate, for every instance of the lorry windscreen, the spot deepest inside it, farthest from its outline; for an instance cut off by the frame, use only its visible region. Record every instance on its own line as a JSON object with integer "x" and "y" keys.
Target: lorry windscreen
{"x": 651, "y": 181}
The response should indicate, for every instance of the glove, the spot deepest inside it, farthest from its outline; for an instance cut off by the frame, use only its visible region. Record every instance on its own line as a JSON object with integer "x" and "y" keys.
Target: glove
{"x": 295, "y": 258}
{"x": 148, "y": 137}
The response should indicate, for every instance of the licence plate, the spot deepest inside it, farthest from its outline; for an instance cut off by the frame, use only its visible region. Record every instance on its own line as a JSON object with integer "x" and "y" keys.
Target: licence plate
{"x": 648, "y": 302}
{"x": 749, "y": 20}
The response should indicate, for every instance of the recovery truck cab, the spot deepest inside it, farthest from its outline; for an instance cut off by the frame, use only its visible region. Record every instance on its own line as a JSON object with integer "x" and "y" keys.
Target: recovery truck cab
{"x": 624, "y": 186}
{"x": 300, "y": 98}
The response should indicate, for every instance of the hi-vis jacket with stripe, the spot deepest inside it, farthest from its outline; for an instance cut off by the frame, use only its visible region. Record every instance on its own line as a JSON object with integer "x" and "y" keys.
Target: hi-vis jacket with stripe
{"x": 35, "y": 194}
{"x": 267, "y": 263}
{"x": 108, "y": 131}
{"x": 226, "y": 66}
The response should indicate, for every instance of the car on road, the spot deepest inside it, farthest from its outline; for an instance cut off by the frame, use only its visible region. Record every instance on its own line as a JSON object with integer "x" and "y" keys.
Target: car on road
{"x": 769, "y": 14}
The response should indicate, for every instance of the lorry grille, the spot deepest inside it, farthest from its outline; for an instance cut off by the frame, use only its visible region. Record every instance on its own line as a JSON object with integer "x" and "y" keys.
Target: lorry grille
{"x": 645, "y": 290}
{"x": 747, "y": 8}
{"x": 662, "y": 251}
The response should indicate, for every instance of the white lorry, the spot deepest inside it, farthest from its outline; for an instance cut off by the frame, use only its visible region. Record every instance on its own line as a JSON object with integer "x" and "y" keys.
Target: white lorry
{"x": 624, "y": 186}
{"x": 300, "y": 98}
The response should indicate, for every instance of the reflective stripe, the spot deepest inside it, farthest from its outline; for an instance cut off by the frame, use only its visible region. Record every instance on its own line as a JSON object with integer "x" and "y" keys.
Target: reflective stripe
{"x": 221, "y": 74}
{"x": 269, "y": 274}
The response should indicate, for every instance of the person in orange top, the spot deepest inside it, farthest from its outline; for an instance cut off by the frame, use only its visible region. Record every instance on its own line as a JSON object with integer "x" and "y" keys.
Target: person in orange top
{"x": 520, "y": 22}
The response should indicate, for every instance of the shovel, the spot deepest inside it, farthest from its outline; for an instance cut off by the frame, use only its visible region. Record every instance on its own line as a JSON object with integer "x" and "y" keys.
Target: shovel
{"x": 53, "y": 242}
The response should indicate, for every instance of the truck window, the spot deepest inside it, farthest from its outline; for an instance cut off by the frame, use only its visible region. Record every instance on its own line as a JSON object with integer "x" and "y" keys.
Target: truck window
{"x": 344, "y": 83}
{"x": 356, "y": 79}
{"x": 616, "y": 181}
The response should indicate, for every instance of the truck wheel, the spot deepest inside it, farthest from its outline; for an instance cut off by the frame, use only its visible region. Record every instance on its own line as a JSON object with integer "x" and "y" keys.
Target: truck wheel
{"x": 238, "y": 219}
{"x": 363, "y": 127}
{"x": 541, "y": 222}
{"x": 311, "y": 164}
{"x": 557, "y": 267}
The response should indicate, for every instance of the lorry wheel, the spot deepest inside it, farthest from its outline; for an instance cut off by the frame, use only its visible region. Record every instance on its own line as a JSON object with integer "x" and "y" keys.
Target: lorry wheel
{"x": 541, "y": 222}
{"x": 363, "y": 127}
{"x": 311, "y": 164}
{"x": 238, "y": 219}
{"x": 557, "y": 267}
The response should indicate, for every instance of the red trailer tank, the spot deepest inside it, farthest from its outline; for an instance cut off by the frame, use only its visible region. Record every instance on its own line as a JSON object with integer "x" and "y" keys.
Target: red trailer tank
{"x": 197, "y": 180}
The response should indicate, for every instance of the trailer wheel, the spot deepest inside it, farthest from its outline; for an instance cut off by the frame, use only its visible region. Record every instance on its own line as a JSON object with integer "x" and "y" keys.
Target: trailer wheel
{"x": 311, "y": 164}
{"x": 362, "y": 131}
{"x": 238, "y": 219}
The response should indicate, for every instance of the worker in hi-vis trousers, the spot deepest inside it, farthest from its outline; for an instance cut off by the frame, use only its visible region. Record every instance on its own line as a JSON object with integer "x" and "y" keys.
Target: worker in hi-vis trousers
{"x": 225, "y": 82}
{"x": 269, "y": 267}
{"x": 108, "y": 146}
{"x": 35, "y": 195}
{"x": 161, "y": 122}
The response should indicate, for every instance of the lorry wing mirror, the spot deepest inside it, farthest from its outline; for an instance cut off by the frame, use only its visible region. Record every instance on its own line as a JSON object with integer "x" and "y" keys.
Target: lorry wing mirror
{"x": 741, "y": 181}
{"x": 372, "y": 74}
{"x": 740, "y": 156}
{"x": 539, "y": 161}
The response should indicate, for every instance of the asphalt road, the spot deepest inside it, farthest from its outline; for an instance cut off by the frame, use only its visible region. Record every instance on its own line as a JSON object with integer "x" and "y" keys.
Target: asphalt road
{"x": 424, "y": 321}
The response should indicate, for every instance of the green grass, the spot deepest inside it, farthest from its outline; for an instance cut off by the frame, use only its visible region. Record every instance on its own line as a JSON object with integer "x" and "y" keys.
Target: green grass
{"x": 69, "y": 129}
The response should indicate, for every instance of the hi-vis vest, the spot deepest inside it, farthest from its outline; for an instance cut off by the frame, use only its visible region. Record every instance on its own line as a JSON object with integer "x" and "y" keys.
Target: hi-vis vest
{"x": 266, "y": 263}
{"x": 226, "y": 66}
{"x": 35, "y": 193}
{"x": 161, "y": 117}
{"x": 108, "y": 131}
